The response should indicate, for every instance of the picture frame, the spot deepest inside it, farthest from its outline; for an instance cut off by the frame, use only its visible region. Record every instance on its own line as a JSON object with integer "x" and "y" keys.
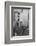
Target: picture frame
{"x": 25, "y": 14}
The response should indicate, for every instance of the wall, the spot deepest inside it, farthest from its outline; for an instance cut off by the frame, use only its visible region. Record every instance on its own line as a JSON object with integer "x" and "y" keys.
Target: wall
{"x": 2, "y": 25}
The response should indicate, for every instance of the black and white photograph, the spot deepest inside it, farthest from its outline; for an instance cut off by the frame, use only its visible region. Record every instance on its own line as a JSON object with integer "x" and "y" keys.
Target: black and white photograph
{"x": 20, "y": 21}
